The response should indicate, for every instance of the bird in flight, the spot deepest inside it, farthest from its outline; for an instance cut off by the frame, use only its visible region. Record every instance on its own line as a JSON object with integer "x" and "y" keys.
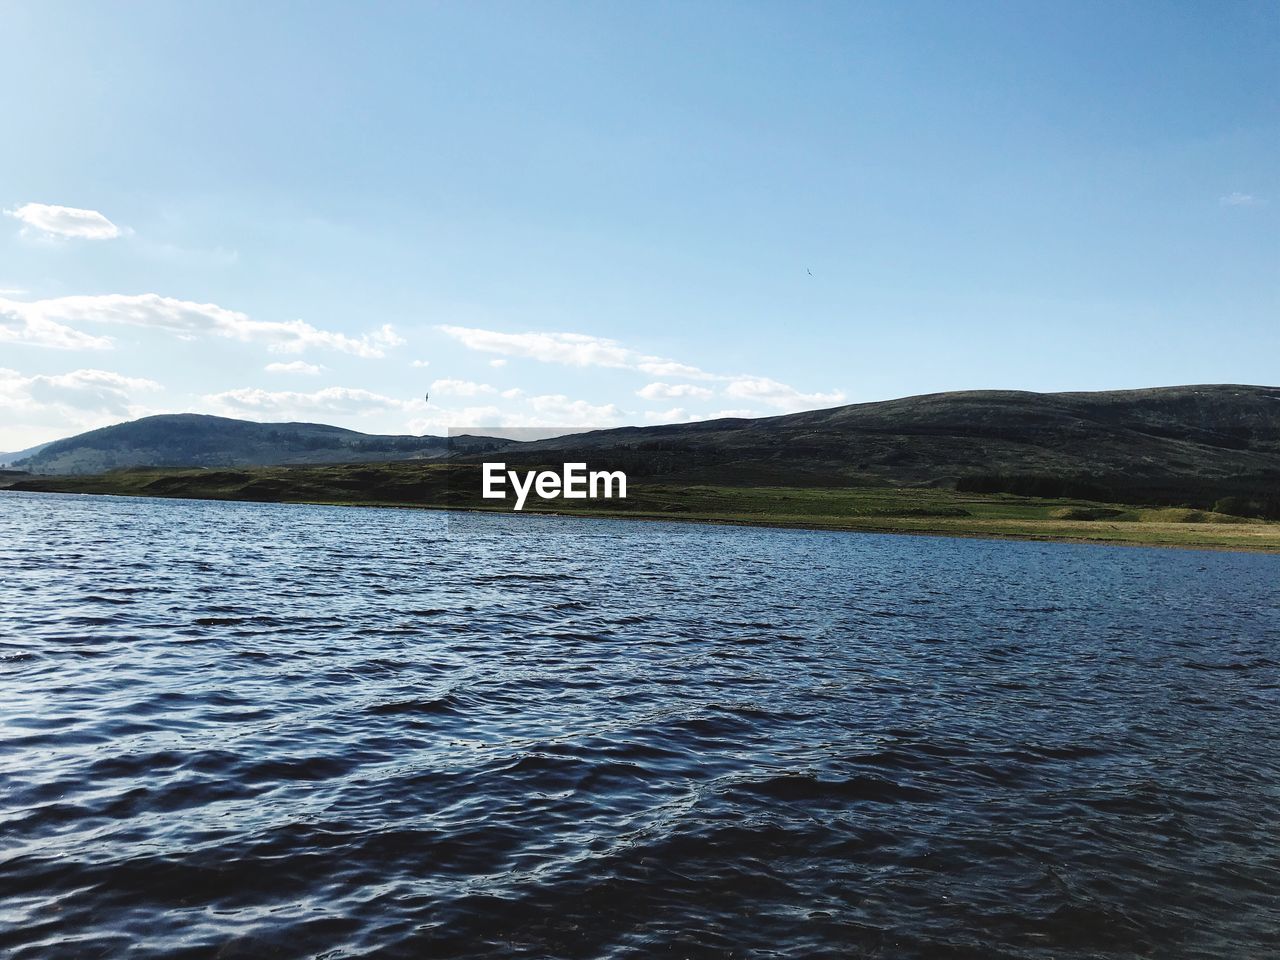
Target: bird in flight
{"x": 808, "y": 271}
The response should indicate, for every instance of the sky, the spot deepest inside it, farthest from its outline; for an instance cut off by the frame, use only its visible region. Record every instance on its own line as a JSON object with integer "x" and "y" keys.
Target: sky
{"x": 595, "y": 214}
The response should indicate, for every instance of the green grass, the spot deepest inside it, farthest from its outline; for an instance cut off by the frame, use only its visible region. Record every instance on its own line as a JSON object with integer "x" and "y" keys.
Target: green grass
{"x": 872, "y": 509}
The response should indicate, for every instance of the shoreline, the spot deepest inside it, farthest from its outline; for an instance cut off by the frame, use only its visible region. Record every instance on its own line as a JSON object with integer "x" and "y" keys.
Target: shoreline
{"x": 1090, "y": 532}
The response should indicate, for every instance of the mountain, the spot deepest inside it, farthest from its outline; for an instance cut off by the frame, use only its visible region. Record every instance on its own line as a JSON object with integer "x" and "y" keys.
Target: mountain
{"x": 7, "y": 459}
{"x": 196, "y": 440}
{"x": 1192, "y": 444}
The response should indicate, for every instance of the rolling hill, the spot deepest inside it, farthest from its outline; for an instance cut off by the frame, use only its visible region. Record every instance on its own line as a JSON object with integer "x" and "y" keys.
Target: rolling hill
{"x": 1193, "y": 444}
{"x": 196, "y": 440}
{"x": 10, "y": 458}
{"x": 1198, "y": 446}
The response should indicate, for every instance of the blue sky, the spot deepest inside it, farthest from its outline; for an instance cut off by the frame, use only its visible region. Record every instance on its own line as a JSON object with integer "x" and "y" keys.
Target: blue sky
{"x": 591, "y": 214}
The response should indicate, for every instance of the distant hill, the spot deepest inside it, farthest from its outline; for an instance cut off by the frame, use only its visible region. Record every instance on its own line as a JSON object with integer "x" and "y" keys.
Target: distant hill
{"x": 8, "y": 459}
{"x": 195, "y": 440}
{"x": 1197, "y": 445}
{"x": 1193, "y": 444}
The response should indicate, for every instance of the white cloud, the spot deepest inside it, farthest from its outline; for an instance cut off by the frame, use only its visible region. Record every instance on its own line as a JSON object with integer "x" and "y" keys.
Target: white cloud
{"x": 498, "y": 362}
{"x": 571, "y": 349}
{"x": 582, "y": 350}
{"x": 40, "y": 407}
{"x": 420, "y": 364}
{"x": 674, "y": 415}
{"x": 442, "y": 419}
{"x": 672, "y": 391}
{"x": 681, "y": 415}
{"x": 574, "y": 349}
{"x": 188, "y": 319}
{"x": 19, "y": 324}
{"x": 779, "y": 395}
{"x": 383, "y": 413}
{"x": 90, "y": 390}
{"x": 1241, "y": 200}
{"x": 657, "y": 367}
{"x": 52, "y": 220}
{"x": 544, "y": 410}
{"x": 346, "y": 401}
{"x": 557, "y": 410}
{"x": 294, "y": 366}
{"x": 461, "y": 388}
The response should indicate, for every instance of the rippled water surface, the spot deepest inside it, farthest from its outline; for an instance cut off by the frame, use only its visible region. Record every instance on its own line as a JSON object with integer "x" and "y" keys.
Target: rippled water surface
{"x": 244, "y": 730}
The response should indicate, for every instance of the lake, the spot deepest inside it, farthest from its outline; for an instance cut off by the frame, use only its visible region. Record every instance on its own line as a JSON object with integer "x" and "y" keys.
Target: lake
{"x": 258, "y": 730}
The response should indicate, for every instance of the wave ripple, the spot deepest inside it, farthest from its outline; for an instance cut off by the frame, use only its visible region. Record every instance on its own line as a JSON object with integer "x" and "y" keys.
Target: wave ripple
{"x": 252, "y": 730}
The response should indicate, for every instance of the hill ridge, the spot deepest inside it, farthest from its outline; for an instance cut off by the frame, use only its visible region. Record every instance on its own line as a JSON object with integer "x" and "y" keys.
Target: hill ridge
{"x": 207, "y": 440}
{"x": 1194, "y": 444}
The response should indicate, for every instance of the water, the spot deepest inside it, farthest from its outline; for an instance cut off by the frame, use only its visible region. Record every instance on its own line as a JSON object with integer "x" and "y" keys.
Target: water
{"x": 245, "y": 730}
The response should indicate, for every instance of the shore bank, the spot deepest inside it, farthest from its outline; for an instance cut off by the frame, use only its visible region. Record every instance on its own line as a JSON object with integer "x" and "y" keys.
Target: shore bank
{"x": 927, "y": 511}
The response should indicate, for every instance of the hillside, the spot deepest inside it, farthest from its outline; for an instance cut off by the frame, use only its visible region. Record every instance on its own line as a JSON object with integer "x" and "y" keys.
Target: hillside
{"x": 1201, "y": 446}
{"x": 442, "y": 484}
{"x": 10, "y": 458}
{"x": 1193, "y": 444}
{"x": 195, "y": 440}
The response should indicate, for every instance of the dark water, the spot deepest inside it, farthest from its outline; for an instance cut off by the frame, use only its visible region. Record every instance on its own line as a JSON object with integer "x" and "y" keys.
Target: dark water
{"x": 238, "y": 730}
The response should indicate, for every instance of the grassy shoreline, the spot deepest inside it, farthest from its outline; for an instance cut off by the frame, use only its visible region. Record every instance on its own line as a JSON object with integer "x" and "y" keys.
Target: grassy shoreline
{"x": 900, "y": 510}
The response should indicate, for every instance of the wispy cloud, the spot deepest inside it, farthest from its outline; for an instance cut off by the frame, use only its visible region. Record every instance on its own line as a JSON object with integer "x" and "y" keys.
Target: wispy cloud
{"x": 672, "y": 391}
{"x": 345, "y": 401}
{"x": 80, "y": 399}
{"x": 555, "y": 410}
{"x": 20, "y": 324}
{"x": 294, "y": 366}
{"x": 681, "y": 415}
{"x": 582, "y": 350}
{"x": 44, "y": 407}
{"x": 1241, "y": 200}
{"x": 351, "y": 403}
{"x": 51, "y": 220}
{"x": 461, "y": 388}
{"x": 571, "y": 349}
{"x": 420, "y": 364}
{"x": 91, "y": 389}
{"x": 48, "y": 320}
{"x": 552, "y": 410}
{"x": 780, "y": 395}
{"x": 673, "y": 415}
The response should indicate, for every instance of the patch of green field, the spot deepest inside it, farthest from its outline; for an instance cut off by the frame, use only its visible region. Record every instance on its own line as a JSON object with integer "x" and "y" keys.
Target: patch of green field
{"x": 872, "y": 509}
